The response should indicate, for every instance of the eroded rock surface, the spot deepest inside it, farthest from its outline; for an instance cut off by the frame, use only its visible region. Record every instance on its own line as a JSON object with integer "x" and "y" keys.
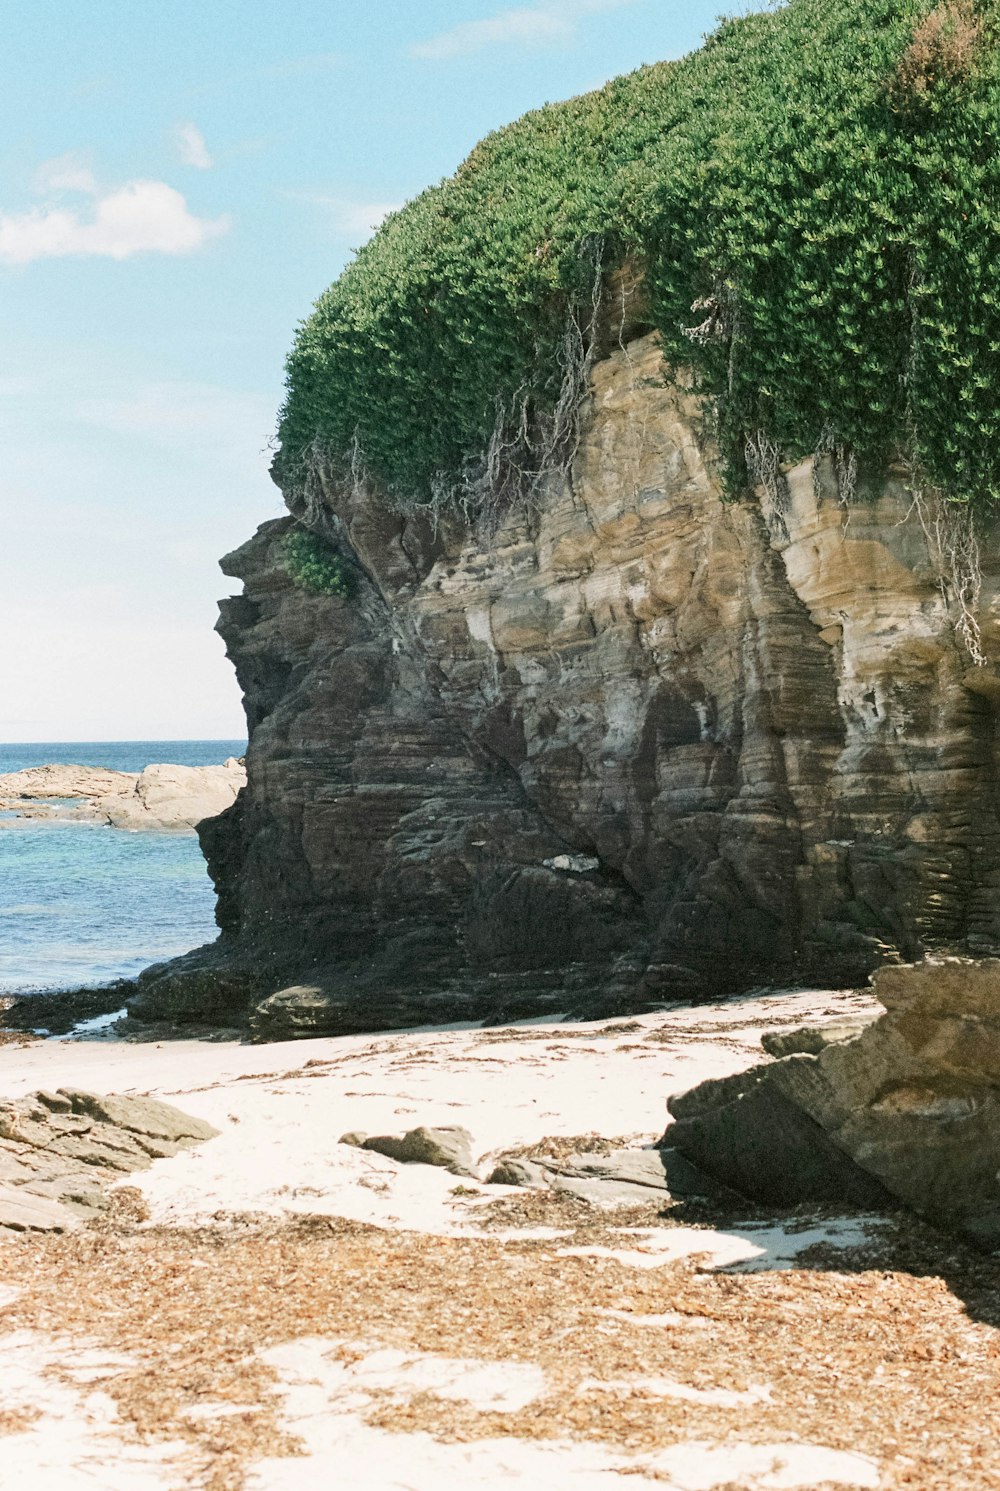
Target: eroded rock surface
{"x": 908, "y": 1108}
{"x": 60, "y": 1151}
{"x": 640, "y": 744}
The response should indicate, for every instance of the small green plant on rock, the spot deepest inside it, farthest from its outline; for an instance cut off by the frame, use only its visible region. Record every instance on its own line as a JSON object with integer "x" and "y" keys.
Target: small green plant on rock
{"x": 315, "y": 565}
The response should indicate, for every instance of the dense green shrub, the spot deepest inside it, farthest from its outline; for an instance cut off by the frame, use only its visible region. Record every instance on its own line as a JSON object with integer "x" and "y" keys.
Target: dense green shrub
{"x": 815, "y": 197}
{"x": 315, "y": 565}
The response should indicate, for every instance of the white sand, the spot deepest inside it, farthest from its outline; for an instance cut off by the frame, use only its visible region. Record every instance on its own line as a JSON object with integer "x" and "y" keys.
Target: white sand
{"x": 76, "y": 1443}
{"x": 281, "y": 1110}
{"x": 750, "y": 1248}
{"x": 325, "y": 1400}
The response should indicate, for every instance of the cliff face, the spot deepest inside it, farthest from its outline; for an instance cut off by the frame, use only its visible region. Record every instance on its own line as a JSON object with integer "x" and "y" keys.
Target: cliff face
{"x": 640, "y": 744}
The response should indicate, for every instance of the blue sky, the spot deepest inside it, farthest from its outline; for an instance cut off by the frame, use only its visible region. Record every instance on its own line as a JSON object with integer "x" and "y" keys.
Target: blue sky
{"x": 179, "y": 182}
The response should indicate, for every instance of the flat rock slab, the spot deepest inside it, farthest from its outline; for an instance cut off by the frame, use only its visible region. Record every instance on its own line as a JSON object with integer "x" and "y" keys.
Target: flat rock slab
{"x": 22, "y": 1211}
{"x": 625, "y": 1175}
{"x": 61, "y": 1151}
{"x": 145, "y": 1116}
{"x": 159, "y": 797}
{"x": 638, "y": 1167}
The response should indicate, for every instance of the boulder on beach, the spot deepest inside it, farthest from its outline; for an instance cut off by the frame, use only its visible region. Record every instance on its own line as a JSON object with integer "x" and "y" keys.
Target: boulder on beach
{"x": 623, "y": 1176}
{"x": 906, "y": 1109}
{"x": 449, "y": 1147}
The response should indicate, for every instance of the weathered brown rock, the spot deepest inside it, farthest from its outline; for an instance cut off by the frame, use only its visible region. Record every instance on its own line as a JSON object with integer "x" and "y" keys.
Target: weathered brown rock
{"x": 640, "y": 744}
{"x": 176, "y": 797}
{"x": 60, "y": 1152}
{"x": 448, "y": 1147}
{"x": 144, "y": 1117}
{"x": 625, "y": 1176}
{"x": 811, "y": 1039}
{"x": 909, "y": 1107}
{"x": 23, "y": 1211}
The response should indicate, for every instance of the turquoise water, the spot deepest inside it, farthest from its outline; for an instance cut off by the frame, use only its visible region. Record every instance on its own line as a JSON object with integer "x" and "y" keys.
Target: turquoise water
{"x": 118, "y": 755}
{"x": 81, "y": 904}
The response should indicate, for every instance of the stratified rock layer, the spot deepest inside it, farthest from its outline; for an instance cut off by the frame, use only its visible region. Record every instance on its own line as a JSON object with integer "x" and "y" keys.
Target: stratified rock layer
{"x": 640, "y": 744}
{"x": 61, "y": 1151}
{"x": 909, "y": 1108}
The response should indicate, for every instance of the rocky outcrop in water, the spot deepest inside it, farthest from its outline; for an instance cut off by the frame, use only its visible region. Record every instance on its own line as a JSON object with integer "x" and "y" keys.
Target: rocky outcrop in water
{"x": 159, "y": 797}
{"x": 639, "y": 744}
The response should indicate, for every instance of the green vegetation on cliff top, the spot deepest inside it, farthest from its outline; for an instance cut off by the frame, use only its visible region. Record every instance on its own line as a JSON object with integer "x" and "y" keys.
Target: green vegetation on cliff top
{"x": 814, "y": 197}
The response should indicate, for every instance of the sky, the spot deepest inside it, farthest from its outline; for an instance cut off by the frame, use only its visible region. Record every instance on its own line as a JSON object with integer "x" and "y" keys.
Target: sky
{"x": 179, "y": 182}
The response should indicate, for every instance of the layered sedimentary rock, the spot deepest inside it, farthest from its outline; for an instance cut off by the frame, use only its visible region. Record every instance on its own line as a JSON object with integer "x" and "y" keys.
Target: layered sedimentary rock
{"x": 905, "y": 1109}
{"x": 60, "y": 1152}
{"x": 640, "y": 743}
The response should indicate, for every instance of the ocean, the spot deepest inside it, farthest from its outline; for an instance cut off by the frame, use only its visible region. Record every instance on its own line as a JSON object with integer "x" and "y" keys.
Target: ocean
{"x": 82, "y": 904}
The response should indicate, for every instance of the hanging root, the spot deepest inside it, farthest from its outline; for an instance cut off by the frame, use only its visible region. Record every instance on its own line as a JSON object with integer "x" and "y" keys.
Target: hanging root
{"x": 322, "y": 470}
{"x": 762, "y": 456}
{"x": 953, "y": 544}
{"x": 314, "y": 464}
{"x": 719, "y": 316}
{"x": 527, "y": 447}
{"x": 845, "y": 465}
{"x": 359, "y": 471}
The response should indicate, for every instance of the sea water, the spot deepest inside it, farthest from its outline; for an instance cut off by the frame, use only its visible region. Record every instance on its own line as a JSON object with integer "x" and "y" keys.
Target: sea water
{"x": 82, "y": 904}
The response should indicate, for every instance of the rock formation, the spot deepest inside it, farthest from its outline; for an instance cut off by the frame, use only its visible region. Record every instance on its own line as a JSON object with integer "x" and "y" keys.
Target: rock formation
{"x": 61, "y": 1151}
{"x": 904, "y": 1109}
{"x": 159, "y": 797}
{"x": 639, "y": 744}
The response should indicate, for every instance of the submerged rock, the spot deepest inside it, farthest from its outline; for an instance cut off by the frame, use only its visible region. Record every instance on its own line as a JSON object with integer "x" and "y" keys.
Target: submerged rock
{"x": 59, "y": 1013}
{"x": 906, "y": 1110}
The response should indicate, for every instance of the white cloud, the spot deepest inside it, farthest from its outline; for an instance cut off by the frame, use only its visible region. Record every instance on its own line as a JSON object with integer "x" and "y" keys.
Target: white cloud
{"x": 534, "y": 25}
{"x": 142, "y": 217}
{"x": 67, "y": 173}
{"x": 192, "y": 148}
{"x": 348, "y": 216}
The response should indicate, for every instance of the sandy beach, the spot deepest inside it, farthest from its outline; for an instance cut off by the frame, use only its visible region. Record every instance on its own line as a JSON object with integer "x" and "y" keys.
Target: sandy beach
{"x": 273, "y": 1308}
